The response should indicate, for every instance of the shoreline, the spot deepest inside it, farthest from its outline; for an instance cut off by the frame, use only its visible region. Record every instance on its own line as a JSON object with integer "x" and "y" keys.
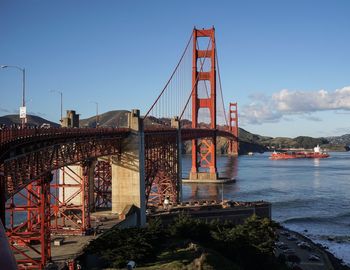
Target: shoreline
{"x": 337, "y": 264}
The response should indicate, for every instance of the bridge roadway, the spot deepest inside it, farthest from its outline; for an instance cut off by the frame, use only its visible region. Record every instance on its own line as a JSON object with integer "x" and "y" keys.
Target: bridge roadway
{"x": 17, "y": 143}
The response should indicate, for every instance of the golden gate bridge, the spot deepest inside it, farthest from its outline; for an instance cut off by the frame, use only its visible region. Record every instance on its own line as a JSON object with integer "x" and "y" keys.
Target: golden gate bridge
{"x": 114, "y": 167}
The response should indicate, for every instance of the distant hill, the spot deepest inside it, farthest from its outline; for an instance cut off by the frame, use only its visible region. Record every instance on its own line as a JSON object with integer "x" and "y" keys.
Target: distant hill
{"x": 246, "y": 136}
{"x": 344, "y": 139}
{"x": 32, "y": 120}
{"x": 118, "y": 118}
{"x": 298, "y": 142}
{"x": 339, "y": 143}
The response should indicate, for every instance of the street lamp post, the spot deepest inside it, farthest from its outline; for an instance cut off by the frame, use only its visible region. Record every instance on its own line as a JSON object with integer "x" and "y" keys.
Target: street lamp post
{"x": 61, "y": 94}
{"x": 96, "y": 112}
{"x": 22, "y": 111}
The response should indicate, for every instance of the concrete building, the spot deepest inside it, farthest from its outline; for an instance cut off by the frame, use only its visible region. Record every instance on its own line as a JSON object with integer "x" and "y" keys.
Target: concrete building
{"x": 71, "y": 120}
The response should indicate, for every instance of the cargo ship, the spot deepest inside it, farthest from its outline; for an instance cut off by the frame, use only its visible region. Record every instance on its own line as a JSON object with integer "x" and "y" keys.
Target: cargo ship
{"x": 317, "y": 153}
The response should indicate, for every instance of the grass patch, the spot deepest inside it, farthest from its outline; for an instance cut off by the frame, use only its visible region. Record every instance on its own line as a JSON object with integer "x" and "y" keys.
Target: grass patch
{"x": 192, "y": 257}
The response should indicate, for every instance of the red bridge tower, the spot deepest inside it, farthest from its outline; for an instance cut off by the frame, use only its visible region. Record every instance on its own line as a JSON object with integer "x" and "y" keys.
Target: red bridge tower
{"x": 204, "y": 150}
{"x": 233, "y": 124}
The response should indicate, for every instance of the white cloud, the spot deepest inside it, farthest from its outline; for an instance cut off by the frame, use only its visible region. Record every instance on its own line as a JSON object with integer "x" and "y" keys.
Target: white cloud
{"x": 304, "y": 101}
{"x": 311, "y": 118}
{"x": 258, "y": 113}
{"x": 286, "y": 102}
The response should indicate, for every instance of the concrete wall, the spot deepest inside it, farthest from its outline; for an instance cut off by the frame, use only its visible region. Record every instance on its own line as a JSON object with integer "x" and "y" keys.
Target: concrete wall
{"x": 128, "y": 187}
{"x": 71, "y": 119}
{"x": 236, "y": 214}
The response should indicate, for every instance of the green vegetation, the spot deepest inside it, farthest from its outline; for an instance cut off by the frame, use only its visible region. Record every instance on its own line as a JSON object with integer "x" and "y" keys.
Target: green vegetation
{"x": 191, "y": 257}
{"x": 189, "y": 243}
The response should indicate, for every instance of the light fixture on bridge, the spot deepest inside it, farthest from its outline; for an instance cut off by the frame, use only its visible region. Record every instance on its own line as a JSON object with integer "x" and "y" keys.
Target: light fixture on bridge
{"x": 96, "y": 113}
{"x": 61, "y": 94}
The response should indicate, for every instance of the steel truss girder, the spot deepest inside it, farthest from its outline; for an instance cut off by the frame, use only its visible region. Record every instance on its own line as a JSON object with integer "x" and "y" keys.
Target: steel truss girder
{"x": 161, "y": 168}
{"x": 205, "y": 153}
{"x": 30, "y": 239}
{"x": 70, "y": 210}
{"x": 103, "y": 184}
{"x": 19, "y": 171}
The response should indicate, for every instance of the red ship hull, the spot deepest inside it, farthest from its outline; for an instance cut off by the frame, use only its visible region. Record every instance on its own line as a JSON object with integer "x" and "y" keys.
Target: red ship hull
{"x": 286, "y": 155}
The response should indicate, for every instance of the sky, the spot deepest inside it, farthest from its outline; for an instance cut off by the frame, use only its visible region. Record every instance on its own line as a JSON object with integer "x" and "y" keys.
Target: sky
{"x": 286, "y": 63}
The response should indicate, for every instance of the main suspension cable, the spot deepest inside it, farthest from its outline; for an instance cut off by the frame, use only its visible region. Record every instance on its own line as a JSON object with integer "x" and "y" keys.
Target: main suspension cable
{"x": 222, "y": 96}
{"x": 178, "y": 64}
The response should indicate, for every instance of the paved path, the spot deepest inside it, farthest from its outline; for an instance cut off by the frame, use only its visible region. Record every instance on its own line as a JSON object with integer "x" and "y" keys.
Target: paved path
{"x": 291, "y": 241}
{"x": 73, "y": 245}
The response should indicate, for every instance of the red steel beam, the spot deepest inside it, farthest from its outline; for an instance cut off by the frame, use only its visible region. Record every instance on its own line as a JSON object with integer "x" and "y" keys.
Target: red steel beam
{"x": 103, "y": 184}
{"x": 30, "y": 238}
{"x": 70, "y": 202}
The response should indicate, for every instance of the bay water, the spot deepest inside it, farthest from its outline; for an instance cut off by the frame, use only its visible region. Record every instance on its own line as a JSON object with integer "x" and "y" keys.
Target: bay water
{"x": 310, "y": 196}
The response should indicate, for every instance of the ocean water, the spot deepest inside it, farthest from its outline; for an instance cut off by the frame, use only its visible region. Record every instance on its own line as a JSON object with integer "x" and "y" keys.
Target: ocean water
{"x": 310, "y": 196}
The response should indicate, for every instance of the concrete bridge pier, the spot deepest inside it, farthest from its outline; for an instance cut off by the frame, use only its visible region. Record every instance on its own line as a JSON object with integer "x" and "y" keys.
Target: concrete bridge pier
{"x": 128, "y": 186}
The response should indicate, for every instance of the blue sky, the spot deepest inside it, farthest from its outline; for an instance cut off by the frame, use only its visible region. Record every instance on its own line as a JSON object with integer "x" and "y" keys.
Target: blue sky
{"x": 285, "y": 62}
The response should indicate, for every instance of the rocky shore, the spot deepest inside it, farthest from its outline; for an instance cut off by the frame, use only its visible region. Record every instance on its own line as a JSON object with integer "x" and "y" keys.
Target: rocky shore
{"x": 308, "y": 253}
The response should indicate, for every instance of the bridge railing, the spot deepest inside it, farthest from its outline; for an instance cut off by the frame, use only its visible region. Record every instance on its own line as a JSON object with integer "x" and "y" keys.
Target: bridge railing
{"x": 192, "y": 133}
{"x": 11, "y": 134}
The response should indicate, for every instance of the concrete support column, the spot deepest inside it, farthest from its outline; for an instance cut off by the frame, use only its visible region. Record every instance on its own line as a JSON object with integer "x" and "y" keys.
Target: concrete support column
{"x": 128, "y": 180}
{"x": 175, "y": 123}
